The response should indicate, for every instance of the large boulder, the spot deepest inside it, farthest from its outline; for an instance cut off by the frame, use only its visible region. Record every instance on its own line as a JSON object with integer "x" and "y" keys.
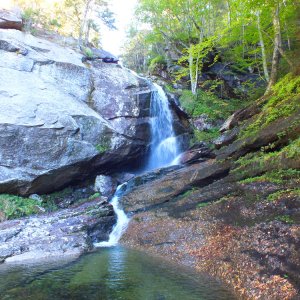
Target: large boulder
{"x": 156, "y": 188}
{"x": 67, "y": 232}
{"x": 105, "y": 185}
{"x": 10, "y": 20}
{"x": 62, "y": 120}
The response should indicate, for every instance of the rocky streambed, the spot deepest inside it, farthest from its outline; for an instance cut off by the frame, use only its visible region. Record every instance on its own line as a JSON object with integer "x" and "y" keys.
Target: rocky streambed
{"x": 66, "y": 233}
{"x": 235, "y": 216}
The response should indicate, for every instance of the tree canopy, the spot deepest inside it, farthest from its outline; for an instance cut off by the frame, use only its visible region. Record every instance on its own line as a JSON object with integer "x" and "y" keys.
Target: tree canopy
{"x": 253, "y": 34}
{"x": 81, "y": 19}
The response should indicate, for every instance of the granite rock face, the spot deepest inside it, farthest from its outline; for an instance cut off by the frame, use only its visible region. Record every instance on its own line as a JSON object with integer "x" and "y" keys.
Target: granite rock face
{"x": 68, "y": 232}
{"x": 61, "y": 120}
{"x": 105, "y": 185}
{"x": 10, "y": 20}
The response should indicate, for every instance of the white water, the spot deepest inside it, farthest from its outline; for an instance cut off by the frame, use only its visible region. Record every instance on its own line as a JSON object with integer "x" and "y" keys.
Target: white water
{"x": 164, "y": 152}
{"x": 164, "y": 147}
{"x": 122, "y": 221}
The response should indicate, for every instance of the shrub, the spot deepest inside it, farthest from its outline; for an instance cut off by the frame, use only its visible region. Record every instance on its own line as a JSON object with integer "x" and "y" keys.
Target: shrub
{"x": 15, "y": 207}
{"x": 209, "y": 104}
{"x": 88, "y": 52}
{"x": 156, "y": 61}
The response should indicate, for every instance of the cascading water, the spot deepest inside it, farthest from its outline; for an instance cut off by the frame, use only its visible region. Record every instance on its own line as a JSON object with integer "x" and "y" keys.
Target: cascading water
{"x": 164, "y": 147}
{"x": 122, "y": 220}
{"x": 164, "y": 152}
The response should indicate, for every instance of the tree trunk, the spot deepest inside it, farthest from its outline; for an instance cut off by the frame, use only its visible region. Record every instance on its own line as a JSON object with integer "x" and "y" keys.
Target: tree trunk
{"x": 87, "y": 34}
{"x": 263, "y": 49}
{"x": 229, "y": 13}
{"x": 83, "y": 22}
{"x": 192, "y": 75}
{"x": 277, "y": 46}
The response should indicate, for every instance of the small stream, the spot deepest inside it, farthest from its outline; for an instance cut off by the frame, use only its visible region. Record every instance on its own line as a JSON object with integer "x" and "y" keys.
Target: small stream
{"x": 110, "y": 273}
{"x": 164, "y": 151}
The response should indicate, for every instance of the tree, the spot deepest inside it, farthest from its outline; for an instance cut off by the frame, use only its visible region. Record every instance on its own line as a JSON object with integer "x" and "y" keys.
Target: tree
{"x": 252, "y": 34}
{"x": 69, "y": 17}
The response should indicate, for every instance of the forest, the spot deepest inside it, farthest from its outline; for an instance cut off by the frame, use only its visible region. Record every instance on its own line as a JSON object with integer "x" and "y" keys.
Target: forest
{"x": 255, "y": 36}
{"x": 162, "y": 166}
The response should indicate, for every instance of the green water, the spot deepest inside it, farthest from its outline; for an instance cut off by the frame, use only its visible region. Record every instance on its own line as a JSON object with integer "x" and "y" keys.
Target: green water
{"x": 109, "y": 273}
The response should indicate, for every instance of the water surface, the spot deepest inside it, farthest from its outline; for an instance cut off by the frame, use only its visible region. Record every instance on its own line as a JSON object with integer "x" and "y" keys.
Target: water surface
{"x": 110, "y": 273}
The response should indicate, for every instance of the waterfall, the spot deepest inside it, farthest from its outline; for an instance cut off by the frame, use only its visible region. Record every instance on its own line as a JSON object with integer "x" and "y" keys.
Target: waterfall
{"x": 164, "y": 146}
{"x": 164, "y": 152}
{"x": 122, "y": 220}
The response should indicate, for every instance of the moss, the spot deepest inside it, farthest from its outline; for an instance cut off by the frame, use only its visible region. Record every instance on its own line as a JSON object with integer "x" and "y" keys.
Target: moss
{"x": 208, "y": 104}
{"x": 101, "y": 148}
{"x": 53, "y": 197}
{"x": 205, "y": 136}
{"x": 267, "y": 161}
{"x": 286, "y": 219}
{"x": 94, "y": 196}
{"x": 276, "y": 176}
{"x": 103, "y": 144}
{"x": 284, "y": 102}
{"x": 284, "y": 193}
{"x": 203, "y": 204}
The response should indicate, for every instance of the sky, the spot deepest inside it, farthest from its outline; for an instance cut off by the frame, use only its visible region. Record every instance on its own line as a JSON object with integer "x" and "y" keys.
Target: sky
{"x": 112, "y": 40}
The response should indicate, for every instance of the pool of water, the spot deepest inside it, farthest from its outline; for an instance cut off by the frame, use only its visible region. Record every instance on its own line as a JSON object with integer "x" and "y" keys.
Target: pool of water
{"x": 109, "y": 273}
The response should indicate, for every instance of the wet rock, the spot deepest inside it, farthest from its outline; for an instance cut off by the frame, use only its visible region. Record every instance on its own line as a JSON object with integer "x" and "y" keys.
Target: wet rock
{"x": 123, "y": 177}
{"x": 226, "y": 138}
{"x": 162, "y": 189}
{"x": 63, "y": 233}
{"x": 105, "y": 185}
{"x": 199, "y": 152}
{"x": 10, "y": 20}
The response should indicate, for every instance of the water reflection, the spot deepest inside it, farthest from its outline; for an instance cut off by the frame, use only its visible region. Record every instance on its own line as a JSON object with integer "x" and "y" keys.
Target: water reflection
{"x": 110, "y": 273}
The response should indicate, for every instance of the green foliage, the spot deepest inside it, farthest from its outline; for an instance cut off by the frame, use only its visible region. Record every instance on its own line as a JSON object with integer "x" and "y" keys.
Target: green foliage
{"x": 261, "y": 162}
{"x": 242, "y": 31}
{"x": 156, "y": 62}
{"x": 293, "y": 149}
{"x": 68, "y": 17}
{"x": 170, "y": 88}
{"x": 101, "y": 148}
{"x": 284, "y": 193}
{"x": 195, "y": 56}
{"x": 208, "y": 104}
{"x": 88, "y": 52}
{"x": 12, "y": 207}
{"x": 50, "y": 200}
{"x": 283, "y": 103}
{"x": 15, "y": 207}
{"x": 205, "y": 135}
{"x": 94, "y": 196}
{"x": 286, "y": 219}
{"x": 276, "y": 176}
